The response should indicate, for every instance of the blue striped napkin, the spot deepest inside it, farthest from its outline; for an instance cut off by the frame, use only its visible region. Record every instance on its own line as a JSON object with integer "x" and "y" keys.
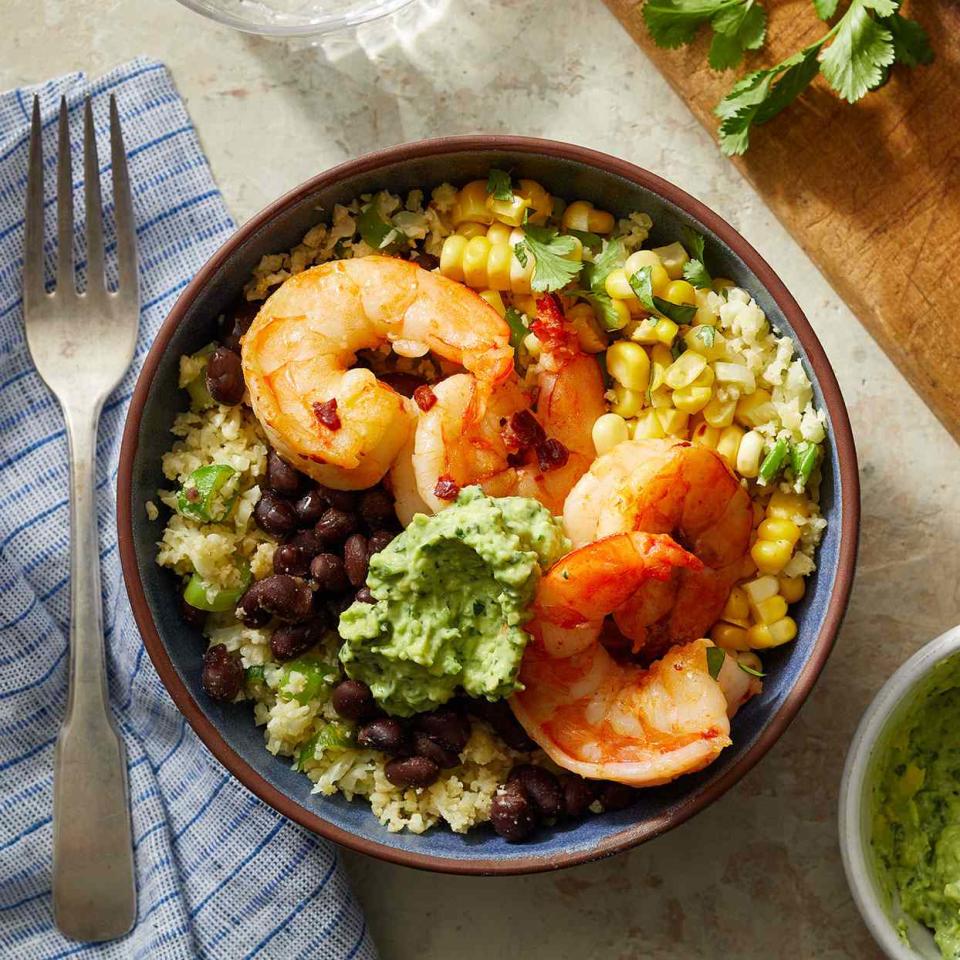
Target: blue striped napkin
{"x": 219, "y": 874}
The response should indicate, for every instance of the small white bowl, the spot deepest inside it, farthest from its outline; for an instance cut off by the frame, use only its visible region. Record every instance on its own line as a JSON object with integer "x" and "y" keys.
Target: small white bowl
{"x": 887, "y": 708}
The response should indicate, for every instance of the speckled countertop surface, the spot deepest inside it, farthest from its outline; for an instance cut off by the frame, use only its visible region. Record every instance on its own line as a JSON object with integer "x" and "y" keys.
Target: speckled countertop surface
{"x": 758, "y": 874}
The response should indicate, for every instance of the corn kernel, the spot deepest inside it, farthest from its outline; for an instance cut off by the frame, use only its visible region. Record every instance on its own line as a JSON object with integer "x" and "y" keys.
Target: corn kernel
{"x": 628, "y": 403}
{"x": 705, "y": 340}
{"x": 661, "y": 399}
{"x": 719, "y": 413}
{"x": 451, "y": 256}
{"x": 674, "y": 422}
{"x": 792, "y": 589}
{"x": 761, "y": 636}
{"x": 666, "y": 331}
{"x": 691, "y": 399}
{"x": 737, "y": 606}
{"x": 584, "y": 321}
{"x": 498, "y": 233}
{"x": 470, "y": 229}
{"x": 533, "y": 345}
{"x": 582, "y": 215}
{"x": 756, "y": 409}
{"x": 540, "y": 201}
{"x": 748, "y": 454}
{"x": 646, "y": 331}
{"x": 495, "y": 300}
{"x": 608, "y": 431}
{"x": 521, "y": 275}
{"x": 729, "y": 443}
{"x": 622, "y": 311}
{"x": 770, "y": 610}
{"x": 680, "y": 292}
{"x": 771, "y": 556}
{"x": 736, "y": 374}
{"x": 705, "y": 436}
{"x": 720, "y": 284}
{"x": 659, "y": 278}
{"x": 628, "y": 364}
{"x": 705, "y": 378}
{"x": 786, "y": 506}
{"x": 673, "y": 257}
{"x": 684, "y": 370}
{"x": 508, "y": 211}
{"x": 761, "y": 589}
{"x": 475, "y": 262}
{"x": 471, "y": 204}
{"x": 776, "y": 529}
{"x": 525, "y": 303}
{"x": 498, "y": 265}
{"x": 618, "y": 286}
{"x": 729, "y": 637}
{"x": 647, "y": 426}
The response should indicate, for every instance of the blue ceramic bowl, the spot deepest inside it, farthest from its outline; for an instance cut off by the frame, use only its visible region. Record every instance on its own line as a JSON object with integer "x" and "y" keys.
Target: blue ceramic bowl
{"x": 229, "y": 732}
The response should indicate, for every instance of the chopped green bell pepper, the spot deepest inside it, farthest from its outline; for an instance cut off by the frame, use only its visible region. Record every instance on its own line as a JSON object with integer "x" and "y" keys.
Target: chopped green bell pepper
{"x": 198, "y": 498}
{"x": 804, "y": 458}
{"x": 313, "y": 672}
{"x": 202, "y": 595}
{"x": 773, "y": 461}
{"x": 333, "y": 736}
{"x": 200, "y": 398}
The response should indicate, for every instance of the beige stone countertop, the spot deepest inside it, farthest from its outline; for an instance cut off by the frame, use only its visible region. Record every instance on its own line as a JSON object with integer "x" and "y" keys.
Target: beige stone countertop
{"x": 758, "y": 874}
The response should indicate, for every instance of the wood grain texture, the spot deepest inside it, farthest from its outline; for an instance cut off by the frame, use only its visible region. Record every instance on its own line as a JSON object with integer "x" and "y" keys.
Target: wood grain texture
{"x": 870, "y": 191}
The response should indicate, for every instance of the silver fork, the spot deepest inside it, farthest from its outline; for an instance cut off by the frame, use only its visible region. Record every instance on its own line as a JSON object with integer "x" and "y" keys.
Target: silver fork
{"x": 81, "y": 345}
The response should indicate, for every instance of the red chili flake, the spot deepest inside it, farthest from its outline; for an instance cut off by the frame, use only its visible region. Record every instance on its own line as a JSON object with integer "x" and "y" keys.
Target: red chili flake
{"x": 424, "y": 397}
{"x": 446, "y": 488}
{"x": 552, "y": 329}
{"x": 191, "y": 493}
{"x": 522, "y": 431}
{"x": 326, "y": 414}
{"x": 551, "y": 454}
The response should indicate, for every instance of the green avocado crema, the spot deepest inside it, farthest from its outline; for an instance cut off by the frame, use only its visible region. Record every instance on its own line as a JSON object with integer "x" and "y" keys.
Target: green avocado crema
{"x": 916, "y": 813}
{"x": 452, "y": 593}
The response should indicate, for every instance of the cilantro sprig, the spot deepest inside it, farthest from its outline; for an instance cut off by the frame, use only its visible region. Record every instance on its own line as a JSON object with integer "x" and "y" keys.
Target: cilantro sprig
{"x": 552, "y": 270}
{"x": 694, "y": 270}
{"x": 594, "y": 277}
{"x": 737, "y": 25}
{"x": 642, "y": 284}
{"x": 854, "y": 55}
{"x": 499, "y": 185}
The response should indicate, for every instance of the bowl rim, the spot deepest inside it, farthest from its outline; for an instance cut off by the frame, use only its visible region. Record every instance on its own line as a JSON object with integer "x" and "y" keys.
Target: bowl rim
{"x": 842, "y": 437}
{"x": 856, "y": 861}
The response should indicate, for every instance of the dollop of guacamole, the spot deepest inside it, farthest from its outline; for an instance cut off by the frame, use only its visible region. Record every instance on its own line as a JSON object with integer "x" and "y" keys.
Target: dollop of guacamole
{"x": 916, "y": 823}
{"x": 452, "y": 591}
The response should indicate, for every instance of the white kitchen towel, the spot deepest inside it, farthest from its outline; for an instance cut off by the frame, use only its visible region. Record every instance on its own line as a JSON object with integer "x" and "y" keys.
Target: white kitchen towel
{"x": 219, "y": 874}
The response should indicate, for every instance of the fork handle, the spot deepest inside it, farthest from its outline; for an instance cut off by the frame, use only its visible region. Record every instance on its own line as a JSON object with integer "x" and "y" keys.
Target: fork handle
{"x": 94, "y": 891}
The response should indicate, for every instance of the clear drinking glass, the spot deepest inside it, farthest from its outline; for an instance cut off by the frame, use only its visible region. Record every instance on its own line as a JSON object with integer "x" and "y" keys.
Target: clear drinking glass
{"x": 294, "y": 18}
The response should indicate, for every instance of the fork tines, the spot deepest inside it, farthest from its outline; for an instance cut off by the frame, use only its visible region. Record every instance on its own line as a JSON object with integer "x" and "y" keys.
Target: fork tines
{"x": 33, "y": 273}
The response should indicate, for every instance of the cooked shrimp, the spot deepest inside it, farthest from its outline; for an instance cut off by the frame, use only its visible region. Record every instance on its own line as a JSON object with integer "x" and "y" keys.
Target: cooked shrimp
{"x": 604, "y": 719}
{"x": 667, "y": 486}
{"x": 500, "y": 439}
{"x": 338, "y": 423}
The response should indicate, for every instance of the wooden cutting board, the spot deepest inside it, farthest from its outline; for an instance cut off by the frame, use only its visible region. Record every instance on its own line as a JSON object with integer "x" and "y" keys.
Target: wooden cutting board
{"x": 870, "y": 191}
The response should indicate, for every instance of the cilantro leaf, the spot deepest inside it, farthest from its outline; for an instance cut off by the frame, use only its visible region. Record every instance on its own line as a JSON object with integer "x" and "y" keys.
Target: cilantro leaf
{"x": 374, "y": 230}
{"x": 611, "y": 257}
{"x": 825, "y": 8}
{"x": 694, "y": 242}
{"x": 706, "y": 335}
{"x": 518, "y": 333}
{"x": 861, "y": 48}
{"x": 715, "y": 658}
{"x": 552, "y": 270}
{"x": 498, "y": 184}
{"x": 602, "y": 304}
{"x": 674, "y": 22}
{"x": 736, "y": 29}
{"x": 750, "y": 670}
{"x": 911, "y": 45}
{"x": 694, "y": 270}
{"x": 591, "y": 240}
{"x": 642, "y": 284}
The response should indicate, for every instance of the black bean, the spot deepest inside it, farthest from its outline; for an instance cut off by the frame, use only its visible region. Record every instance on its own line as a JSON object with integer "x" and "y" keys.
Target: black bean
{"x": 292, "y": 639}
{"x": 345, "y": 500}
{"x": 309, "y": 508}
{"x": 353, "y": 700}
{"x": 355, "y": 559}
{"x": 335, "y": 526}
{"x": 615, "y": 796}
{"x": 280, "y": 595}
{"x": 330, "y": 574}
{"x": 505, "y": 724}
{"x": 308, "y": 542}
{"x": 225, "y": 376}
{"x": 376, "y": 509}
{"x": 365, "y": 595}
{"x": 446, "y": 725}
{"x": 378, "y": 540}
{"x": 386, "y": 734}
{"x": 291, "y": 559}
{"x": 274, "y": 515}
{"x": 240, "y": 322}
{"x": 191, "y": 615}
{"x": 222, "y": 675}
{"x": 512, "y": 814}
{"x": 426, "y": 746}
{"x": 412, "y": 772}
{"x": 541, "y": 787}
{"x": 426, "y": 260}
{"x": 578, "y": 794}
{"x": 281, "y": 477}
